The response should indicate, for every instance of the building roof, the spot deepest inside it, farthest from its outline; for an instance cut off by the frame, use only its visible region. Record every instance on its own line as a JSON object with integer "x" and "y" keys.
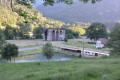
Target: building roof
{"x": 103, "y": 40}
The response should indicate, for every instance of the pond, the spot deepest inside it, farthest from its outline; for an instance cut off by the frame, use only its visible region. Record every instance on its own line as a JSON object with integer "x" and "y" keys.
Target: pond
{"x": 41, "y": 57}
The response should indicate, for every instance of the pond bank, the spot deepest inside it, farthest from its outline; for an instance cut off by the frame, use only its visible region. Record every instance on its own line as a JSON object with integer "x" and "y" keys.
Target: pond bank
{"x": 40, "y": 57}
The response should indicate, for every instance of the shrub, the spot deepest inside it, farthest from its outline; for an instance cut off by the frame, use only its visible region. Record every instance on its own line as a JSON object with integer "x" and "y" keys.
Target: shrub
{"x": 80, "y": 56}
{"x": 104, "y": 56}
{"x": 66, "y": 40}
{"x": 48, "y": 50}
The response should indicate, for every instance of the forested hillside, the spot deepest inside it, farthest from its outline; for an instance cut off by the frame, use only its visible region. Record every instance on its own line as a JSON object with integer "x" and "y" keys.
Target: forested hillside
{"x": 22, "y": 16}
{"x": 28, "y": 18}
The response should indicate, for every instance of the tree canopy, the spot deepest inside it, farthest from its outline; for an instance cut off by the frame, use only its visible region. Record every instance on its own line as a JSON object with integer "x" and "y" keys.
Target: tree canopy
{"x": 52, "y": 2}
{"x": 96, "y": 31}
{"x": 9, "y": 51}
{"x": 78, "y": 30}
{"x": 114, "y": 41}
{"x": 38, "y": 32}
{"x": 9, "y": 32}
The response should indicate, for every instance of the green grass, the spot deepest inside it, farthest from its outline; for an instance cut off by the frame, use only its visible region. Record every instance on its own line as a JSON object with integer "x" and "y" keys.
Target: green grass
{"x": 76, "y": 69}
{"x": 86, "y": 45}
{"x": 30, "y": 52}
{"x": 36, "y": 51}
{"x": 72, "y": 54}
{"x": 30, "y": 46}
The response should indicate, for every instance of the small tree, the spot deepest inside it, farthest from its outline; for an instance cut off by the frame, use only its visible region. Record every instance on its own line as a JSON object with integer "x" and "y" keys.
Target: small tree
{"x": 8, "y": 32}
{"x": 48, "y": 50}
{"x": 38, "y": 32}
{"x": 9, "y": 51}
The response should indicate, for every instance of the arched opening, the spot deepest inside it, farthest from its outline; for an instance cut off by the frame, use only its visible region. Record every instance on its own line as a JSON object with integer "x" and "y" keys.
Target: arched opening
{"x": 53, "y": 35}
{"x": 57, "y": 35}
{"x": 60, "y": 32}
{"x": 61, "y": 35}
{"x": 45, "y": 34}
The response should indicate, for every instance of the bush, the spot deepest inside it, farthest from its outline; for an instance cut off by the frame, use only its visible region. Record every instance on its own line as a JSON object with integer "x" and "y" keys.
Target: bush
{"x": 91, "y": 42}
{"x": 48, "y": 50}
{"x": 66, "y": 40}
{"x": 80, "y": 56}
{"x": 104, "y": 56}
{"x": 69, "y": 35}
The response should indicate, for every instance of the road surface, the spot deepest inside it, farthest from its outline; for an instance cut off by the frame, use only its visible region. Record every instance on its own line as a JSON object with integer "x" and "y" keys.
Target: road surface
{"x": 26, "y": 49}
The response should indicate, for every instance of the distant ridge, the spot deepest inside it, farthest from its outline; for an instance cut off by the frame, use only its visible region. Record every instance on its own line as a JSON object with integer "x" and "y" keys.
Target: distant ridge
{"x": 106, "y": 11}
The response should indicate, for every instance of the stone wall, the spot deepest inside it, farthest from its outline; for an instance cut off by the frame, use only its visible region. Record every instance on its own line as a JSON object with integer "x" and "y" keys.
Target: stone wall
{"x": 53, "y": 34}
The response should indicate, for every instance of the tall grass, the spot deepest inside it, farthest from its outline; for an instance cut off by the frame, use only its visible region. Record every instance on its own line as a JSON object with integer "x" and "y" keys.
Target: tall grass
{"x": 76, "y": 69}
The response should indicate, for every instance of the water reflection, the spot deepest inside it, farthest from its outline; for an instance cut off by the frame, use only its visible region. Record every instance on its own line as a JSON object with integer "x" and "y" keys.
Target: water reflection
{"x": 41, "y": 57}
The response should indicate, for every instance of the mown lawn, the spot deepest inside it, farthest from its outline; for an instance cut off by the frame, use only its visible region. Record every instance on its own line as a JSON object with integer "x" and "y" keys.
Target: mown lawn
{"x": 76, "y": 69}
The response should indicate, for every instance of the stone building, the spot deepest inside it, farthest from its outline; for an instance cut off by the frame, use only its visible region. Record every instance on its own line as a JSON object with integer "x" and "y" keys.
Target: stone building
{"x": 53, "y": 34}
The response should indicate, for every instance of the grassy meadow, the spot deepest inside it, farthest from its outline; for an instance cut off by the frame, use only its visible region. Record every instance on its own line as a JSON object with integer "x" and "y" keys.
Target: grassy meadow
{"x": 79, "y": 43}
{"x": 76, "y": 69}
{"x": 30, "y": 52}
{"x": 75, "y": 43}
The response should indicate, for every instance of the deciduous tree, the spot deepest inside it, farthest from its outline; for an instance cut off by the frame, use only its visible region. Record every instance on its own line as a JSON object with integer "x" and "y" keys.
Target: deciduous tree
{"x": 96, "y": 31}
{"x": 52, "y": 2}
{"x": 114, "y": 41}
{"x": 48, "y": 2}
{"x": 38, "y": 32}
{"x": 9, "y": 32}
{"x": 9, "y": 51}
